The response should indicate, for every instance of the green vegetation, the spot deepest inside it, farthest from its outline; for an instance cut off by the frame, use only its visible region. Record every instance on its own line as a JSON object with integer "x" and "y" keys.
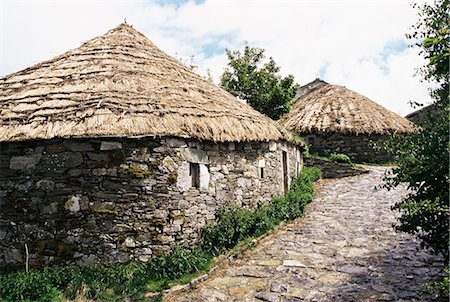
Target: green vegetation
{"x": 105, "y": 282}
{"x": 234, "y": 225}
{"x": 439, "y": 287}
{"x": 422, "y": 157}
{"x": 138, "y": 172}
{"x": 119, "y": 282}
{"x": 340, "y": 158}
{"x": 336, "y": 157}
{"x": 259, "y": 84}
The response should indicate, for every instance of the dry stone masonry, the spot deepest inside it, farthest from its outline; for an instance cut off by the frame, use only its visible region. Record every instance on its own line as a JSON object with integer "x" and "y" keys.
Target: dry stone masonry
{"x": 357, "y": 147}
{"x": 117, "y": 200}
{"x": 331, "y": 169}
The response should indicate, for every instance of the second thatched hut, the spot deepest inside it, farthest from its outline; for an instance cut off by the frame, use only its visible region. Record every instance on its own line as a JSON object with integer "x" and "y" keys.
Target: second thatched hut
{"x": 335, "y": 119}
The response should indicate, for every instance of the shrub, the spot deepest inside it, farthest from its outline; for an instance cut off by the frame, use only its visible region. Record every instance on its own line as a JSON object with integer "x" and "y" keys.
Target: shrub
{"x": 340, "y": 158}
{"x": 234, "y": 225}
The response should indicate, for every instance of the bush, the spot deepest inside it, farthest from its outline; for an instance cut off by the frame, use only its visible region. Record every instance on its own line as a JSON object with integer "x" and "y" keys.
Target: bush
{"x": 234, "y": 225}
{"x": 439, "y": 288}
{"x": 340, "y": 158}
{"x": 105, "y": 282}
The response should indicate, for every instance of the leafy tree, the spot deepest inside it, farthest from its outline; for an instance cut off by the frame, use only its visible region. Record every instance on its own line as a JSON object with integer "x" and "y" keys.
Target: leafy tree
{"x": 422, "y": 156}
{"x": 248, "y": 78}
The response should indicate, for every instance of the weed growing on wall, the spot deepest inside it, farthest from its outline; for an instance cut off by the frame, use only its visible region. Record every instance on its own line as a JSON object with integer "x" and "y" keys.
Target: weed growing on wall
{"x": 119, "y": 282}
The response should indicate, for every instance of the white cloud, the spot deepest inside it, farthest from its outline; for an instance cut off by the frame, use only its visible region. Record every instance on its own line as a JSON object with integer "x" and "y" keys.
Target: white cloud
{"x": 345, "y": 40}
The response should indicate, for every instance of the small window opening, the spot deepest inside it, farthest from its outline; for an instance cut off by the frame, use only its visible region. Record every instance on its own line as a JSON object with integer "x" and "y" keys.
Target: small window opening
{"x": 194, "y": 172}
{"x": 261, "y": 172}
{"x": 311, "y": 141}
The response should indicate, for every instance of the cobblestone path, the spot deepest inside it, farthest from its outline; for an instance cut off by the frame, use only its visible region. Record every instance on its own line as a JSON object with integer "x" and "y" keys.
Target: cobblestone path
{"x": 344, "y": 249}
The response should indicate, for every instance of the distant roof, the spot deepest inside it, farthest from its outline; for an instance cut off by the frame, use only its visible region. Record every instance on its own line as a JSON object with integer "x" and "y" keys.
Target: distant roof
{"x": 420, "y": 114}
{"x": 121, "y": 84}
{"x": 321, "y": 108}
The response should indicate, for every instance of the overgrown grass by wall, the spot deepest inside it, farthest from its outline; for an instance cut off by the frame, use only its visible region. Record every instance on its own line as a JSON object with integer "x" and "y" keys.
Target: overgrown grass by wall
{"x": 117, "y": 282}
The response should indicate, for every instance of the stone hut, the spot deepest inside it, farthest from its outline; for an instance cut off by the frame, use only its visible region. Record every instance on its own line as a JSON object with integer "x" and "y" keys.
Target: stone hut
{"x": 115, "y": 151}
{"x": 335, "y": 119}
{"x": 422, "y": 115}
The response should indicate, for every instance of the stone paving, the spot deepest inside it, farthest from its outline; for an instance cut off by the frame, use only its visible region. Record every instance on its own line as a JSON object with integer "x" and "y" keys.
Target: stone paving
{"x": 344, "y": 249}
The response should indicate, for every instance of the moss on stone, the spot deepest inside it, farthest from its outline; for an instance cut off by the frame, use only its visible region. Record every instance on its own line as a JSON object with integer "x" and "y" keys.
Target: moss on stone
{"x": 138, "y": 172}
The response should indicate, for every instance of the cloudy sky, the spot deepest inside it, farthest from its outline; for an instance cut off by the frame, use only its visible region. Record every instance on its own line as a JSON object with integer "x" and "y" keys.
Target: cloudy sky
{"x": 358, "y": 44}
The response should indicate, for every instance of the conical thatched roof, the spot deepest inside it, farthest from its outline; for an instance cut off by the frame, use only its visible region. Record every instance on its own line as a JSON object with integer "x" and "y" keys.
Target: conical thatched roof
{"x": 330, "y": 108}
{"x": 121, "y": 84}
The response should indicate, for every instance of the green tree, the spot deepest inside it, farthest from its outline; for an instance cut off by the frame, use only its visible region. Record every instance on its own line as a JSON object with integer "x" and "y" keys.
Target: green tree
{"x": 248, "y": 78}
{"x": 422, "y": 156}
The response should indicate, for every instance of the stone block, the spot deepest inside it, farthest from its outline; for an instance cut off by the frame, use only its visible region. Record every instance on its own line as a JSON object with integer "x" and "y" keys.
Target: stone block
{"x": 129, "y": 242}
{"x": 50, "y": 209}
{"x": 54, "y": 148}
{"x": 168, "y": 165}
{"x": 99, "y": 172}
{"x": 45, "y": 185}
{"x": 272, "y": 146}
{"x": 204, "y": 177}
{"x": 175, "y": 143}
{"x": 78, "y": 146}
{"x": 184, "y": 180}
{"x": 261, "y": 163}
{"x": 225, "y": 170}
{"x": 26, "y": 162}
{"x": 194, "y": 156}
{"x": 98, "y": 156}
{"x": 62, "y": 160}
{"x": 105, "y": 145}
{"x": 73, "y": 204}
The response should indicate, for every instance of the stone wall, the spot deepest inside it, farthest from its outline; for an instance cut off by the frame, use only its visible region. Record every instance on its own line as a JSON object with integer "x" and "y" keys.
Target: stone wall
{"x": 117, "y": 200}
{"x": 357, "y": 147}
{"x": 331, "y": 169}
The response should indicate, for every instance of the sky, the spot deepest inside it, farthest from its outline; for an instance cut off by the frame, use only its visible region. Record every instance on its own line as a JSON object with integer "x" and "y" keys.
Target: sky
{"x": 357, "y": 44}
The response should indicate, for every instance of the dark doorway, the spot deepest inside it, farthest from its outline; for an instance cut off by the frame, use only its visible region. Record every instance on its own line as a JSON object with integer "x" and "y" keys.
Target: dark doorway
{"x": 194, "y": 172}
{"x": 285, "y": 171}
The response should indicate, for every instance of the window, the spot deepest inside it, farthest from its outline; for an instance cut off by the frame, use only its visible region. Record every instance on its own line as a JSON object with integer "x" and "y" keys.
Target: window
{"x": 311, "y": 141}
{"x": 194, "y": 172}
{"x": 261, "y": 166}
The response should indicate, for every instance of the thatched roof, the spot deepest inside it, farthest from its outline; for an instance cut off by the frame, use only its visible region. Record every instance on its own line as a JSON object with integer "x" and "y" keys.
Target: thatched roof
{"x": 121, "y": 84}
{"x": 330, "y": 108}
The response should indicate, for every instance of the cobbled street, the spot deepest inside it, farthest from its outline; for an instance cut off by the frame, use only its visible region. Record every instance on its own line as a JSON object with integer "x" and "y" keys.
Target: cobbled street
{"x": 343, "y": 249}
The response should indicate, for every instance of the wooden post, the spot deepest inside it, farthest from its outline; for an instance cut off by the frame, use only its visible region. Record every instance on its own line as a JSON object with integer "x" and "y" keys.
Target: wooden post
{"x": 26, "y": 258}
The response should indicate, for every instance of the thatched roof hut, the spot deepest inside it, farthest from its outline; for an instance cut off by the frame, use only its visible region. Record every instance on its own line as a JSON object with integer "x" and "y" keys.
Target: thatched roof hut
{"x": 120, "y": 84}
{"x": 115, "y": 151}
{"x": 334, "y": 118}
{"x": 326, "y": 108}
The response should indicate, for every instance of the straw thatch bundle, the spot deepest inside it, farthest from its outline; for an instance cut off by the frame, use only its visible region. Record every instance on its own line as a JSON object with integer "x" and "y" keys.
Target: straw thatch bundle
{"x": 335, "y": 109}
{"x": 121, "y": 84}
